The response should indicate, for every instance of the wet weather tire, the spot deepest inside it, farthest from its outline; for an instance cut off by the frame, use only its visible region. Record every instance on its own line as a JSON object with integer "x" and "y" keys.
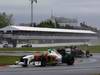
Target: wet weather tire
{"x": 69, "y": 60}
{"x": 25, "y": 63}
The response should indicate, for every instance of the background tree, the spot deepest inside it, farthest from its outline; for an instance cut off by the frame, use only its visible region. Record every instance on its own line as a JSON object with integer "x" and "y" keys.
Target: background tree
{"x": 57, "y": 25}
{"x": 47, "y": 24}
{"x": 5, "y": 19}
{"x": 87, "y": 27}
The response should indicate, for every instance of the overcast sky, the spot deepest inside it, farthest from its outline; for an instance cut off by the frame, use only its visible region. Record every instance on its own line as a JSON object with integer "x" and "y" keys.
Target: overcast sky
{"x": 83, "y": 10}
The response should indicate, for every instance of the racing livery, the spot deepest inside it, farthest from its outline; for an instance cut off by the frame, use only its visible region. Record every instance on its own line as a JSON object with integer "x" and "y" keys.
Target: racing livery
{"x": 51, "y": 57}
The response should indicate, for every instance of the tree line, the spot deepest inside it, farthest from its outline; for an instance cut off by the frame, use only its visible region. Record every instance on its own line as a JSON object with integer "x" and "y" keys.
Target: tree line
{"x": 5, "y": 19}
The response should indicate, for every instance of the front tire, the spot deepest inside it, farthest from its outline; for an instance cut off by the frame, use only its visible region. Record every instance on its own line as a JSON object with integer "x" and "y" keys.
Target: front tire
{"x": 25, "y": 63}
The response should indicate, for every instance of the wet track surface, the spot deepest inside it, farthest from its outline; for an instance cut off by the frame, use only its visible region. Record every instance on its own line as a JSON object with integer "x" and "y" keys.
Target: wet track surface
{"x": 84, "y": 66}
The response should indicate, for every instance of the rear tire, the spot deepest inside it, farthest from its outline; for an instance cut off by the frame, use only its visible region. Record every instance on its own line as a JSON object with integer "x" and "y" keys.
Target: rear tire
{"x": 69, "y": 59}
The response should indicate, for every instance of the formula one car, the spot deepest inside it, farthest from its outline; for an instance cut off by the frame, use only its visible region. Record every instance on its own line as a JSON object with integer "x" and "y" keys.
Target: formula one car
{"x": 52, "y": 57}
{"x": 77, "y": 52}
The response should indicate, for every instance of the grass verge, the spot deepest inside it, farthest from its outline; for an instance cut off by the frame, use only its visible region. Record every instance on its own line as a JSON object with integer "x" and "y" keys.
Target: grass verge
{"x": 8, "y": 60}
{"x": 93, "y": 49}
{"x": 23, "y": 49}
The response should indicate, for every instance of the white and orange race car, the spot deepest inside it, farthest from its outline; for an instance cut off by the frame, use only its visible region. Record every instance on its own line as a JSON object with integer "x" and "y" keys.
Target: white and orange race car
{"x": 51, "y": 57}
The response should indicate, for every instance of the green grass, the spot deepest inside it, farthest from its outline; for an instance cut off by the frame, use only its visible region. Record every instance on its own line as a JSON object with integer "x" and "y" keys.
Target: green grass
{"x": 96, "y": 74}
{"x": 8, "y": 60}
{"x": 93, "y": 49}
{"x": 23, "y": 49}
{"x": 27, "y": 49}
